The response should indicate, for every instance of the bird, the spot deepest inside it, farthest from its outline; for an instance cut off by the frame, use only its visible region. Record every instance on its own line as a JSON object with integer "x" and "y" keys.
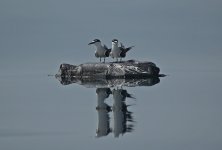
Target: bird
{"x": 119, "y": 52}
{"x": 102, "y": 51}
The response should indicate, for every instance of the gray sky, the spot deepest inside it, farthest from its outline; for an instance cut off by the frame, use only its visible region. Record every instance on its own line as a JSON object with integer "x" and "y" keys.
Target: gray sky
{"x": 183, "y": 37}
{"x": 174, "y": 34}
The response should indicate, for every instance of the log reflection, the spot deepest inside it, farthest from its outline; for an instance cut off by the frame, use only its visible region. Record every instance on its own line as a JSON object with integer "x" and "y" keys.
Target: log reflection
{"x": 113, "y": 115}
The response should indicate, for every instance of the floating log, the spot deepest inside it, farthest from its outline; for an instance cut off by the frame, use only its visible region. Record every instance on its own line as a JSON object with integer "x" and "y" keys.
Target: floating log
{"x": 130, "y": 69}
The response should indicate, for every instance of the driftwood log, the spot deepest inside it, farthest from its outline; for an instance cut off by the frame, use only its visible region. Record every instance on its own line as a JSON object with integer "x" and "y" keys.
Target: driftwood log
{"x": 130, "y": 69}
{"x": 129, "y": 73}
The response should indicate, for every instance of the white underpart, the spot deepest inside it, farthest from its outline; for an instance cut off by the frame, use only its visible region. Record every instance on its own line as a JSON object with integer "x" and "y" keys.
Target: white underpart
{"x": 115, "y": 53}
{"x": 100, "y": 50}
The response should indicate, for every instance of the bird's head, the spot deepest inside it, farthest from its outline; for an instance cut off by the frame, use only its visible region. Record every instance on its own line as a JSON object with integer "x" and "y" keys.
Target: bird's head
{"x": 95, "y": 41}
{"x": 115, "y": 41}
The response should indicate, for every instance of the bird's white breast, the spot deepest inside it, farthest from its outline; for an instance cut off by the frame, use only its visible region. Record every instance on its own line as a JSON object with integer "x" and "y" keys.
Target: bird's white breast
{"x": 100, "y": 51}
{"x": 115, "y": 51}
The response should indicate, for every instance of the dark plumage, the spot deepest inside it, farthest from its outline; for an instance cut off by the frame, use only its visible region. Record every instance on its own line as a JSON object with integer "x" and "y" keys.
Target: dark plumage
{"x": 124, "y": 50}
{"x": 108, "y": 50}
{"x": 124, "y": 93}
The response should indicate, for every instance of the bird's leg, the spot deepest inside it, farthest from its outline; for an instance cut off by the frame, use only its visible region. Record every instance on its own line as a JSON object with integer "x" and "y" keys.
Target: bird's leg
{"x": 99, "y": 59}
{"x": 120, "y": 59}
{"x": 116, "y": 59}
{"x": 104, "y": 60}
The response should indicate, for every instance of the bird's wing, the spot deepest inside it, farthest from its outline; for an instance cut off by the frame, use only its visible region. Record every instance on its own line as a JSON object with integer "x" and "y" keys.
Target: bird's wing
{"x": 108, "y": 50}
{"x": 122, "y": 46}
{"x": 129, "y": 48}
{"x": 105, "y": 47}
{"x": 124, "y": 50}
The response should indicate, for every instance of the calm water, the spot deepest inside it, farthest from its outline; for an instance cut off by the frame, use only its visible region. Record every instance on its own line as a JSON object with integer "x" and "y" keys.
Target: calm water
{"x": 181, "y": 111}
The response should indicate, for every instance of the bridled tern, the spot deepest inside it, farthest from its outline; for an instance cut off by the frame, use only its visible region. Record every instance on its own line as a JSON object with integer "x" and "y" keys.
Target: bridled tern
{"x": 119, "y": 52}
{"x": 102, "y": 51}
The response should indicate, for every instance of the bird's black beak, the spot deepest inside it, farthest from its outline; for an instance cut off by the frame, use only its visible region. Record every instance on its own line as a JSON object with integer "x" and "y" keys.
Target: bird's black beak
{"x": 91, "y": 42}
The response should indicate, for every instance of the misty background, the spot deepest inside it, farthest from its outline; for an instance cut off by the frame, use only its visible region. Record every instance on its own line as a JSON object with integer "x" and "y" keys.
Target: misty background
{"x": 39, "y": 35}
{"x": 182, "y": 37}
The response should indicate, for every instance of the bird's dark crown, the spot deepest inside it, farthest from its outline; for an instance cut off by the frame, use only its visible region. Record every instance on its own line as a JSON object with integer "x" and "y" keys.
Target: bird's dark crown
{"x": 96, "y": 40}
{"x": 114, "y": 40}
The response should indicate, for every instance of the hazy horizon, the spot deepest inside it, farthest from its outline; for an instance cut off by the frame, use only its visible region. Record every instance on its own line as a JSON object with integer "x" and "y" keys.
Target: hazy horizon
{"x": 183, "y": 38}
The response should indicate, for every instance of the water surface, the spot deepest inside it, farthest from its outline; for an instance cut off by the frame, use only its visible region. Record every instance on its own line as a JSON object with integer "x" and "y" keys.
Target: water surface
{"x": 183, "y": 110}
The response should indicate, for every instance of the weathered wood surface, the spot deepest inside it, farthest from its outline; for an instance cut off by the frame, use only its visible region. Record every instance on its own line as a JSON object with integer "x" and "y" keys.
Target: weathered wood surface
{"x": 130, "y": 69}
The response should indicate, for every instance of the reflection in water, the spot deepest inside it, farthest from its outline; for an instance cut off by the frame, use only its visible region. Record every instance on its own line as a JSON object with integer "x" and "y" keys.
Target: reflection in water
{"x": 103, "y": 109}
{"x": 102, "y": 83}
{"x": 121, "y": 116}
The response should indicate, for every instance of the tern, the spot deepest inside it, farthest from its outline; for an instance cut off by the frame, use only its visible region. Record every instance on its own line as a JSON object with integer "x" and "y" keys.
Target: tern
{"x": 119, "y": 52}
{"x": 102, "y": 51}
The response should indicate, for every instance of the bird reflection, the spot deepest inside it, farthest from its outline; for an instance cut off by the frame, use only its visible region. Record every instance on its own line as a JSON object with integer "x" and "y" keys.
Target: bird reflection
{"x": 122, "y": 118}
{"x": 103, "y": 109}
{"x": 121, "y": 115}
